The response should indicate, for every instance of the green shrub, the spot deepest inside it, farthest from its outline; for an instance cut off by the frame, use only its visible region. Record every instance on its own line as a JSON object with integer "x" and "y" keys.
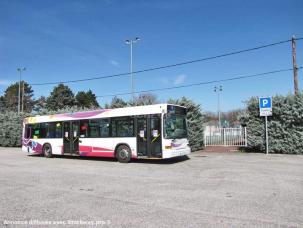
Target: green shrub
{"x": 11, "y": 128}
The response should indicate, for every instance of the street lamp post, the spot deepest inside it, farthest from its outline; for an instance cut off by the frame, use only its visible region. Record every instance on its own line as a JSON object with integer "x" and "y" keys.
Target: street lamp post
{"x": 219, "y": 89}
{"x": 131, "y": 42}
{"x": 20, "y": 75}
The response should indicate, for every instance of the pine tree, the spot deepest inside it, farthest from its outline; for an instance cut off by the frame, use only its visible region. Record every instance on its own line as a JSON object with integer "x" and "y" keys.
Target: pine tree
{"x": 195, "y": 121}
{"x": 2, "y": 104}
{"x": 86, "y": 99}
{"x": 10, "y": 97}
{"x": 40, "y": 104}
{"x": 61, "y": 97}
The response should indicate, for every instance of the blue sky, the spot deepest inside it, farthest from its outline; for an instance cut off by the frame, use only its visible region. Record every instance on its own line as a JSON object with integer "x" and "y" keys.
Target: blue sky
{"x": 65, "y": 40}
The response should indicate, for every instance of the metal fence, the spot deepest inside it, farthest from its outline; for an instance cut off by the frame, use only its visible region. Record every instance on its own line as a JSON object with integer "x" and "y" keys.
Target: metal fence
{"x": 225, "y": 136}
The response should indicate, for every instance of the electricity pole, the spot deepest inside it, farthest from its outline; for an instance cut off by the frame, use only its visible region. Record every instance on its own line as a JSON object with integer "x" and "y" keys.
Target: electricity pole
{"x": 131, "y": 42}
{"x": 20, "y": 74}
{"x": 217, "y": 90}
{"x": 294, "y": 64}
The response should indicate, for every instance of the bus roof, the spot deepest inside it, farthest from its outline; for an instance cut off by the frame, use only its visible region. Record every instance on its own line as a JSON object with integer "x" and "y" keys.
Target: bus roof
{"x": 101, "y": 113}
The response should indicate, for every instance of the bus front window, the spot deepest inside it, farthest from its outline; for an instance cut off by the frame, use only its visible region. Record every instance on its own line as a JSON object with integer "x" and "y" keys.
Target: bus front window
{"x": 175, "y": 126}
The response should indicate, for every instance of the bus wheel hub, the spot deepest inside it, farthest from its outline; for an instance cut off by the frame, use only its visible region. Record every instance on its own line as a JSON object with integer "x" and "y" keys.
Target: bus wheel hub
{"x": 123, "y": 153}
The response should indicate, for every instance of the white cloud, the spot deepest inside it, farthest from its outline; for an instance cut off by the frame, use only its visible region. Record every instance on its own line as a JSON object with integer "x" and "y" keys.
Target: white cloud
{"x": 4, "y": 82}
{"x": 179, "y": 79}
{"x": 114, "y": 63}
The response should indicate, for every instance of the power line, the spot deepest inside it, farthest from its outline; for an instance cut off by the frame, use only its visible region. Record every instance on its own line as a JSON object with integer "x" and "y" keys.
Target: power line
{"x": 168, "y": 66}
{"x": 203, "y": 83}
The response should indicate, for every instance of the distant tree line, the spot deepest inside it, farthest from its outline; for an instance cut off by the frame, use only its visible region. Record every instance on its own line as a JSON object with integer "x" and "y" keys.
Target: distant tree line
{"x": 228, "y": 119}
{"x": 61, "y": 97}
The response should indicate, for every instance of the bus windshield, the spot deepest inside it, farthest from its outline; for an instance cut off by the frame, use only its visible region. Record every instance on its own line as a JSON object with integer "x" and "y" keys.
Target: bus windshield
{"x": 175, "y": 126}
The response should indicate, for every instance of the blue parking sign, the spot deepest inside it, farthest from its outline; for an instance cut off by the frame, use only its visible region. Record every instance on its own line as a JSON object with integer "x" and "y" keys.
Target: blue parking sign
{"x": 265, "y": 106}
{"x": 265, "y": 102}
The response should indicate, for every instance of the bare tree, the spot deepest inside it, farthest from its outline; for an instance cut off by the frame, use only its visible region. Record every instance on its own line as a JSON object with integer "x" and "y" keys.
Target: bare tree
{"x": 145, "y": 99}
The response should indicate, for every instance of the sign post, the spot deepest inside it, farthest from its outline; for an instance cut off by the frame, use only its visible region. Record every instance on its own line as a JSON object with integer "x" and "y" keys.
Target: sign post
{"x": 265, "y": 105}
{"x": 266, "y": 134}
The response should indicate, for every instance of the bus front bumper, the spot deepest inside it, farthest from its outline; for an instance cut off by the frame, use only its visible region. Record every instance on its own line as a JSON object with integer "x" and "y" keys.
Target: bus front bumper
{"x": 175, "y": 153}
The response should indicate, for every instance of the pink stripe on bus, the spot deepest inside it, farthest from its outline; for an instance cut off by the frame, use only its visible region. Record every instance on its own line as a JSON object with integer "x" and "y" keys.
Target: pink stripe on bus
{"x": 98, "y": 154}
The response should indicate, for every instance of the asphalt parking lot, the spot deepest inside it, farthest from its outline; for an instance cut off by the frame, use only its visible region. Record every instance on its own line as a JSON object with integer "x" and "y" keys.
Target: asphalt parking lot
{"x": 206, "y": 190}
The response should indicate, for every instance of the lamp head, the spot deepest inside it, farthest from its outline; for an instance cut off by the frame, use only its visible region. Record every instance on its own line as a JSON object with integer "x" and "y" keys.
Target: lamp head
{"x": 21, "y": 69}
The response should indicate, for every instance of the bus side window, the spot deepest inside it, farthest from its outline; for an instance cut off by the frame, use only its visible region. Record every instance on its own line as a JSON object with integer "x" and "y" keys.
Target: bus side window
{"x": 36, "y": 131}
{"x": 83, "y": 128}
{"x": 113, "y": 128}
{"x": 93, "y": 128}
{"x": 28, "y": 131}
{"x": 104, "y": 127}
{"x": 58, "y": 130}
{"x": 43, "y": 130}
{"x": 51, "y": 133}
{"x": 123, "y": 127}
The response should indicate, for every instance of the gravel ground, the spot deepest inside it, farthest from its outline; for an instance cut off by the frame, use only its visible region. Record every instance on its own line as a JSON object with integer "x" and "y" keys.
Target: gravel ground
{"x": 206, "y": 190}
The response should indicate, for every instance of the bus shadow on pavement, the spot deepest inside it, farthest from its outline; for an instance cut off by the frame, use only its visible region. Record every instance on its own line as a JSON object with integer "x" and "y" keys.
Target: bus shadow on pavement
{"x": 162, "y": 161}
{"x": 85, "y": 158}
{"x": 141, "y": 160}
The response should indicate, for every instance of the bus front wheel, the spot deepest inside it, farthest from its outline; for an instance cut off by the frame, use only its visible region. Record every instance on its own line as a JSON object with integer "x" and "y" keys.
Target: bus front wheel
{"x": 123, "y": 154}
{"x": 47, "y": 150}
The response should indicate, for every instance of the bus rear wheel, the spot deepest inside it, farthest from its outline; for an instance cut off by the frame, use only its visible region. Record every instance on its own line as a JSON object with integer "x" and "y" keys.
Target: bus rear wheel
{"x": 47, "y": 150}
{"x": 123, "y": 154}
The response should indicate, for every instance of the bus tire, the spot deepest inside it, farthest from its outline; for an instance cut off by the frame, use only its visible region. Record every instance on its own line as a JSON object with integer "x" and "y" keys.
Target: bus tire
{"x": 123, "y": 154}
{"x": 47, "y": 150}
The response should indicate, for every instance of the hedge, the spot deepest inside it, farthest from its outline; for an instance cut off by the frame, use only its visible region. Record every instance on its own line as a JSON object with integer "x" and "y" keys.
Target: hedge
{"x": 285, "y": 127}
{"x": 11, "y": 128}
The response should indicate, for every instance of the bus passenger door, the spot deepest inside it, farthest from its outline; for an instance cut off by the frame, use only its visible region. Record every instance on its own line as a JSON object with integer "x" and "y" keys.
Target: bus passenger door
{"x": 75, "y": 136}
{"x": 142, "y": 136}
{"x": 66, "y": 138}
{"x": 71, "y": 137}
{"x": 155, "y": 136}
{"x": 149, "y": 136}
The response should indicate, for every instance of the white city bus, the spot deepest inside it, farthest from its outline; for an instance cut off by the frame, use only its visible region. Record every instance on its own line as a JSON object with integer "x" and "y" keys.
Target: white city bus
{"x": 152, "y": 131}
